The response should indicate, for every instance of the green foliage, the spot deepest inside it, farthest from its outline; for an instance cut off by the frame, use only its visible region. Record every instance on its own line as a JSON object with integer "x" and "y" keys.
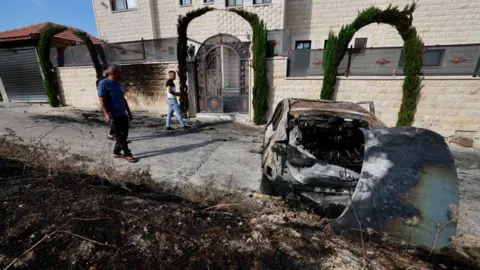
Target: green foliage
{"x": 91, "y": 50}
{"x": 182, "y": 27}
{"x": 260, "y": 79}
{"x": 49, "y": 80}
{"x": 337, "y": 47}
{"x": 330, "y": 69}
{"x": 260, "y": 88}
{"x": 412, "y": 84}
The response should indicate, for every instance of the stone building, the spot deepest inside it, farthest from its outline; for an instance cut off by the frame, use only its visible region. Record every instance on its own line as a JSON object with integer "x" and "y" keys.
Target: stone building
{"x": 450, "y": 98}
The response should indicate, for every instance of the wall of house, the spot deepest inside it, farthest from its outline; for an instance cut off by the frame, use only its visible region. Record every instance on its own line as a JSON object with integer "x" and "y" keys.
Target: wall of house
{"x": 128, "y": 25}
{"x": 437, "y": 21}
{"x": 158, "y": 19}
{"x": 147, "y": 92}
{"x": 447, "y": 105}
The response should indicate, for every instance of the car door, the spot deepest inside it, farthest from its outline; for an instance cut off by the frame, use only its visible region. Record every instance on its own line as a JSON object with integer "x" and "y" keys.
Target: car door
{"x": 271, "y": 135}
{"x": 272, "y": 125}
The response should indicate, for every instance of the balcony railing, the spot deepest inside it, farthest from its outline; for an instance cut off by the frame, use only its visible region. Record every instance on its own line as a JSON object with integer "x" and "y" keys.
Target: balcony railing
{"x": 142, "y": 51}
{"x": 451, "y": 60}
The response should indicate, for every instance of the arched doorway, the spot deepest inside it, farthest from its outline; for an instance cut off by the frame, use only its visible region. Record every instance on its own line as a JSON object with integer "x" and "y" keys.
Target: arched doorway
{"x": 222, "y": 63}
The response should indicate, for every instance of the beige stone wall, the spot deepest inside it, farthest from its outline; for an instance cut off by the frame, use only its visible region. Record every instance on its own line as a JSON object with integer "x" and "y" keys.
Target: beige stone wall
{"x": 214, "y": 22}
{"x": 77, "y": 87}
{"x": 148, "y": 92}
{"x": 128, "y": 25}
{"x": 437, "y": 21}
{"x": 448, "y": 105}
{"x": 158, "y": 19}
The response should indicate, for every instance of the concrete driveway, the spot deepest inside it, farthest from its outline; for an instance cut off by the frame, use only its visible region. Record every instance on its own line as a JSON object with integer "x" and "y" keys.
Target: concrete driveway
{"x": 226, "y": 152}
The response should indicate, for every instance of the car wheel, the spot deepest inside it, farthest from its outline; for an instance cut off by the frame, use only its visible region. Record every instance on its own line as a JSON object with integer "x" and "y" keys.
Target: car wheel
{"x": 266, "y": 186}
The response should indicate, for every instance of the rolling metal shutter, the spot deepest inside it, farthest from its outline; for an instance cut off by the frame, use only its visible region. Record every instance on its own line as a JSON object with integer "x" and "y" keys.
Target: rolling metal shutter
{"x": 21, "y": 77}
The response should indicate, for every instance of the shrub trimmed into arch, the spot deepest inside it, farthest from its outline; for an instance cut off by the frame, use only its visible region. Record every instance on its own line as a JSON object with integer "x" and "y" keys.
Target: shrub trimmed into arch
{"x": 44, "y": 46}
{"x": 260, "y": 81}
{"x": 337, "y": 46}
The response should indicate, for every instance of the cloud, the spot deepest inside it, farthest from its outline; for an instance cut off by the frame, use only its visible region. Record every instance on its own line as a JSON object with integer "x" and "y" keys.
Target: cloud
{"x": 37, "y": 2}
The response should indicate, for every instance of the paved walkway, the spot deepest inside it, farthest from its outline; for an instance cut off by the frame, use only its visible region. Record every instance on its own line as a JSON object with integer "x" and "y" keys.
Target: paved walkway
{"x": 224, "y": 151}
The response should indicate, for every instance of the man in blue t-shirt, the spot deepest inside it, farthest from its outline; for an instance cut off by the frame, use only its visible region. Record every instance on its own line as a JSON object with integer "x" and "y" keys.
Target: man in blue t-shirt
{"x": 111, "y": 134}
{"x": 114, "y": 107}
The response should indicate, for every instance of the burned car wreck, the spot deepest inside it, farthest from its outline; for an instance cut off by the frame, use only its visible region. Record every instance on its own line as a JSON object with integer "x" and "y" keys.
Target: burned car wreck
{"x": 338, "y": 156}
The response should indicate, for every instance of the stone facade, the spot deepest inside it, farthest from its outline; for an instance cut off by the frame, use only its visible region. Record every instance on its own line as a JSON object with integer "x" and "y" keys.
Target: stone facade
{"x": 129, "y": 25}
{"x": 438, "y": 22}
{"x": 158, "y": 19}
{"x": 447, "y": 105}
{"x": 77, "y": 87}
{"x": 145, "y": 84}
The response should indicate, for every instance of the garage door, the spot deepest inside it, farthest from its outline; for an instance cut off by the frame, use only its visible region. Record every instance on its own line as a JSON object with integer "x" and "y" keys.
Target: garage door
{"x": 21, "y": 75}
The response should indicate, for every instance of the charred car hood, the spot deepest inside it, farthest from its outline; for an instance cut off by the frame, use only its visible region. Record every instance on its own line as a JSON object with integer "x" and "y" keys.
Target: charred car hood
{"x": 408, "y": 189}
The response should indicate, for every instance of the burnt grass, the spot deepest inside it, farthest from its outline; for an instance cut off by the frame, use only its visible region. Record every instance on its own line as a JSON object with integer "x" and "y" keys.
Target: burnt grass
{"x": 142, "y": 229}
{"x": 136, "y": 229}
{"x": 71, "y": 220}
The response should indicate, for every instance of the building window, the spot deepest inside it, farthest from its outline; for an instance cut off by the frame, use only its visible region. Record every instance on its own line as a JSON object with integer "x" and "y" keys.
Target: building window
{"x": 360, "y": 44}
{"x": 185, "y": 2}
{"x": 302, "y": 56}
{"x": 255, "y": 2}
{"x": 123, "y": 4}
{"x": 234, "y": 3}
{"x": 476, "y": 72}
{"x": 303, "y": 45}
{"x": 431, "y": 58}
{"x": 208, "y": 1}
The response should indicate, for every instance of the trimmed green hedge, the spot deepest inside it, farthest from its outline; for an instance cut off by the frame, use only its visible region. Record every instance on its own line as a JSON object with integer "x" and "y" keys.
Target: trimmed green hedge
{"x": 182, "y": 54}
{"x": 260, "y": 88}
{"x": 337, "y": 46}
{"x": 44, "y": 45}
{"x": 260, "y": 79}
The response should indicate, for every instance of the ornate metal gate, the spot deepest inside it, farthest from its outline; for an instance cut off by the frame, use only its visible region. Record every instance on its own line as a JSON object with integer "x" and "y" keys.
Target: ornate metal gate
{"x": 214, "y": 94}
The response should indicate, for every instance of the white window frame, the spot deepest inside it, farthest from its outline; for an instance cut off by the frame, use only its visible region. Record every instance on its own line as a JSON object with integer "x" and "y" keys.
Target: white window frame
{"x": 115, "y": 9}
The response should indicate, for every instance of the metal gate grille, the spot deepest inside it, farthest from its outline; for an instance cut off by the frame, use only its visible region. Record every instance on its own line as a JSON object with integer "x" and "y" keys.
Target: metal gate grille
{"x": 222, "y": 75}
{"x": 21, "y": 77}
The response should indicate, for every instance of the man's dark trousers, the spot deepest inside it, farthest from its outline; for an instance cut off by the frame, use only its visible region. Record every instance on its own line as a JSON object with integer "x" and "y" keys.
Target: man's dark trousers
{"x": 112, "y": 129}
{"x": 121, "y": 124}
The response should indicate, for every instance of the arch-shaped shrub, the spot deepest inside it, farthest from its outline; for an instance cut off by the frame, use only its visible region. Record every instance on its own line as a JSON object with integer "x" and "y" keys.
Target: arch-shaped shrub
{"x": 337, "y": 46}
{"x": 260, "y": 81}
{"x": 44, "y": 46}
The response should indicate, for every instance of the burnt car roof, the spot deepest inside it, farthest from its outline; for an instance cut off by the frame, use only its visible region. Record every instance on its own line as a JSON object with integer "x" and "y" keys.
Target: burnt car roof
{"x": 305, "y": 107}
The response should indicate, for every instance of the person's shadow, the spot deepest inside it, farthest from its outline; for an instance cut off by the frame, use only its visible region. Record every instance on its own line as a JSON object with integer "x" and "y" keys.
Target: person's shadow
{"x": 176, "y": 149}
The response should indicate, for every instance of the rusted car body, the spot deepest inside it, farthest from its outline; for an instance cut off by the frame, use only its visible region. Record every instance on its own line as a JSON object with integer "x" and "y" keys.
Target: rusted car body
{"x": 400, "y": 183}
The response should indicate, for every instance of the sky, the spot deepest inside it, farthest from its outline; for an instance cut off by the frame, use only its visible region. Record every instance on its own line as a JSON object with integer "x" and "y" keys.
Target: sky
{"x": 19, "y": 13}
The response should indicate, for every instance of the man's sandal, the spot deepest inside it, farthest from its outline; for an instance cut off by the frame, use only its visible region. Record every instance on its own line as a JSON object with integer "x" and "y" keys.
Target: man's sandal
{"x": 127, "y": 158}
